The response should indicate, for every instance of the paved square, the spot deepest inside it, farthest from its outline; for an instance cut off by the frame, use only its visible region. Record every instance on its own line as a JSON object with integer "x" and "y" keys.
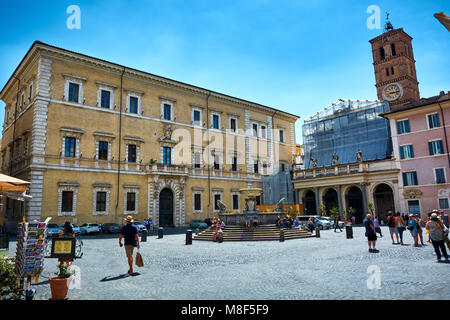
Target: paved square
{"x": 331, "y": 267}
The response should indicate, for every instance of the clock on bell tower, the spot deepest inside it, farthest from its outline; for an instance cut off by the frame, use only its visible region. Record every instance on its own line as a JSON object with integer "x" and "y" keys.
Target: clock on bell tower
{"x": 394, "y": 64}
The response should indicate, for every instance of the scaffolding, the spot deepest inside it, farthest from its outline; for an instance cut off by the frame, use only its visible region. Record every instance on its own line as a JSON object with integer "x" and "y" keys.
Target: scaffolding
{"x": 344, "y": 128}
{"x": 276, "y": 187}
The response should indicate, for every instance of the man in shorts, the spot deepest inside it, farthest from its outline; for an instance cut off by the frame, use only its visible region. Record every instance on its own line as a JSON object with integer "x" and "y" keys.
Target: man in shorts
{"x": 392, "y": 227}
{"x": 131, "y": 234}
{"x": 370, "y": 233}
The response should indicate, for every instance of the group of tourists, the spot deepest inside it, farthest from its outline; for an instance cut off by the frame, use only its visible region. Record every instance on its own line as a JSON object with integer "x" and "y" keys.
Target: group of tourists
{"x": 217, "y": 225}
{"x": 251, "y": 223}
{"x": 287, "y": 222}
{"x": 149, "y": 224}
{"x": 436, "y": 227}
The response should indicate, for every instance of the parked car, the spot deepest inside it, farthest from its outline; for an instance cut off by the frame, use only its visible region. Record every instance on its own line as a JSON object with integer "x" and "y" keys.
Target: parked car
{"x": 197, "y": 223}
{"x": 111, "y": 228}
{"x": 90, "y": 228}
{"x": 331, "y": 221}
{"x": 53, "y": 229}
{"x": 321, "y": 223}
{"x": 76, "y": 229}
{"x": 141, "y": 226}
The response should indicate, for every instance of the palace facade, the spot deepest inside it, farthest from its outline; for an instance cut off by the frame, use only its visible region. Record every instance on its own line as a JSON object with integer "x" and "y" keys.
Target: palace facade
{"x": 99, "y": 141}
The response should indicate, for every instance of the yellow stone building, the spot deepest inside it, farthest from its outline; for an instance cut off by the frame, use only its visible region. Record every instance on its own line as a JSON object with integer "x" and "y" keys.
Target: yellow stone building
{"x": 99, "y": 141}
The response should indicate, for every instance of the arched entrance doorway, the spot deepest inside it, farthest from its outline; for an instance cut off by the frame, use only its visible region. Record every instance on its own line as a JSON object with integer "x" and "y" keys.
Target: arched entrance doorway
{"x": 309, "y": 202}
{"x": 384, "y": 200}
{"x": 166, "y": 208}
{"x": 355, "y": 201}
{"x": 330, "y": 200}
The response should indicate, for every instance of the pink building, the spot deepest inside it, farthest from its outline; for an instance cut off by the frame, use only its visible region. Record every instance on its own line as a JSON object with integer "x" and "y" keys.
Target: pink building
{"x": 420, "y": 138}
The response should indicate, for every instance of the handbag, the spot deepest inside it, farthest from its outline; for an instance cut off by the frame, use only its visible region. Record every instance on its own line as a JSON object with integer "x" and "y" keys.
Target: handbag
{"x": 139, "y": 260}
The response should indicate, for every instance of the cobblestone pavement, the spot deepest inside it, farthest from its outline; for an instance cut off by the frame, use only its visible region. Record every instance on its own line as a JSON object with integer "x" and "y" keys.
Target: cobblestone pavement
{"x": 330, "y": 267}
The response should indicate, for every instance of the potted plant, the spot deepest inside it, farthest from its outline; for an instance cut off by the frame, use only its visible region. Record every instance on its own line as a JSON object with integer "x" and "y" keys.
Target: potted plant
{"x": 60, "y": 285}
{"x": 8, "y": 279}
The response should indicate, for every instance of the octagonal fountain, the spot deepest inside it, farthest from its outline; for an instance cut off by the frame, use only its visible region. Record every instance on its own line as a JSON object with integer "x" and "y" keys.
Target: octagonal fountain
{"x": 251, "y": 211}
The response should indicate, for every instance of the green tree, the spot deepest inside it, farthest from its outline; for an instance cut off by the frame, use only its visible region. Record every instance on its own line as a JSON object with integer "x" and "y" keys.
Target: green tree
{"x": 322, "y": 209}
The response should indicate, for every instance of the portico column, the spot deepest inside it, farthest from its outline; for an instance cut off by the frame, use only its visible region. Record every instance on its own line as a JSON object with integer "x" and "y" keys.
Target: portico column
{"x": 364, "y": 198}
{"x": 338, "y": 189}
{"x": 318, "y": 202}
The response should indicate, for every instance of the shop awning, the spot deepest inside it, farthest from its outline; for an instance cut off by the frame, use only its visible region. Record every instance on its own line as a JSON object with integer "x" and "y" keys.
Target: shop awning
{"x": 14, "y": 188}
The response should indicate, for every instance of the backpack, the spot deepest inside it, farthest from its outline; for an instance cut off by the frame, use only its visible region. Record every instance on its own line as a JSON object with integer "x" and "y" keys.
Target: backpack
{"x": 391, "y": 222}
{"x": 412, "y": 225}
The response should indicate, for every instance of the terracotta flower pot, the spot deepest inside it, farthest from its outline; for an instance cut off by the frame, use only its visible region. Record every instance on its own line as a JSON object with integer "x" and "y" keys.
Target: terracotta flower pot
{"x": 59, "y": 287}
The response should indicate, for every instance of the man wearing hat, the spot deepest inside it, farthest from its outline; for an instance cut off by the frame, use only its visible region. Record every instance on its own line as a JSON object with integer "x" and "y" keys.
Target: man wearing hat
{"x": 131, "y": 234}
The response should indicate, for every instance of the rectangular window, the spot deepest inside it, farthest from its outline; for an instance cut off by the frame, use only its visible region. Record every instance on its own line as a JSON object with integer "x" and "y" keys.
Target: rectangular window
{"x": 215, "y": 120}
{"x": 216, "y": 198}
{"x": 443, "y": 203}
{"x": 263, "y": 132}
{"x": 406, "y": 152}
{"x": 167, "y": 112}
{"x": 403, "y": 127}
{"x": 410, "y": 178}
{"x": 283, "y": 167}
{"x": 30, "y": 92}
{"x": 281, "y": 136}
{"x": 256, "y": 166}
{"x": 234, "y": 164}
{"x": 387, "y": 72}
{"x": 197, "y": 160}
{"x": 134, "y": 105}
{"x": 132, "y": 153}
{"x": 67, "y": 201}
{"x": 433, "y": 120}
{"x": 233, "y": 124}
{"x": 105, "y": 99}
{"x": 440, "y": 175}
{"x": 196, "y": 117}
{"x": 235, "y": 202}
{"x": 435, "y": 147}
{"x": 197, "y": 202}
{"x": 100, "y": 204}
{"x": 414, "y": 206}
{"x": 74, "y": 89}
{"x": 216, "y": 163}
{"x": 255, "y": 129}
{"x": 70, "y": 147}
{"x": 131, "y": 201}
{"x": 167, "y": 153}
{"x": 102, "y": 150}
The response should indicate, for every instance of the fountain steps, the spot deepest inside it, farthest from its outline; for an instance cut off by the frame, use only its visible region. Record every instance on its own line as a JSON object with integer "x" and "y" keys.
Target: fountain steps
{"x": 260, "y": 233}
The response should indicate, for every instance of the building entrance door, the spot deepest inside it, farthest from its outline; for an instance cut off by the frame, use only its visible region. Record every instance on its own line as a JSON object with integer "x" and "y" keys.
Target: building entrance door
{"x": 166, "y": 208}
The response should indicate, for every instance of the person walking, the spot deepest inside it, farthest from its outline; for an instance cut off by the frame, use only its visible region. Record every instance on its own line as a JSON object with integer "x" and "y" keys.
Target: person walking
{"x": 376, "y": 224}
{"x": 66, "y": 232}
{"x": 400, "y": 224}
{"x": 420, "y": 223}
{"x": 370, "y": 233}
{"x": 436, "y": 227}
{"x": 392, "y": 227}
{"x": 131, "y": 234}
{"x": 444, "y": 219}
{"x": 412, "y": 227}
{"x": 336, "y": 223}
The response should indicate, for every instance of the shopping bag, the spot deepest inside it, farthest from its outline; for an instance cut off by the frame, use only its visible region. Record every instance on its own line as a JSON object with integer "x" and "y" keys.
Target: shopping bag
{"x": 139, "y": 260}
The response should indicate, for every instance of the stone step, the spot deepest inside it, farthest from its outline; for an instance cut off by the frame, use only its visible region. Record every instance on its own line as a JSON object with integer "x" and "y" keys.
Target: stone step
{"x": 260, "y": 233}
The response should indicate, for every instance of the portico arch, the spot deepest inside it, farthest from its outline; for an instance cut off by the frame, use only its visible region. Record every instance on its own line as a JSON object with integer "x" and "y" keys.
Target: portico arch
{"x": 383, "y": 196}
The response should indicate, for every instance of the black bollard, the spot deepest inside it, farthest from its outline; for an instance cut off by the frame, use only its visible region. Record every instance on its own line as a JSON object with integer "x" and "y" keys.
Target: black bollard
{"x": 4, "y": 241}
{"x": 349, "y": 231}
{"x": 317, "y": 232}
{"x": 144, "y": 235}
{"x": 188, "y": 237}
{"x": 281, "y": 235}
{"x": 160, "y": 232}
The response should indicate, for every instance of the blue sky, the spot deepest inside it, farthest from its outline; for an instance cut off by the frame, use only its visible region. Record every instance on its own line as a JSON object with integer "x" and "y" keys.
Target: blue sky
{"x": 298, "y": 56}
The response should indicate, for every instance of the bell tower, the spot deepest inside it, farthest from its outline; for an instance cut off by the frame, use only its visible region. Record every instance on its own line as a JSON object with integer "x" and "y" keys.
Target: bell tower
{"x": 395, "y": 68}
